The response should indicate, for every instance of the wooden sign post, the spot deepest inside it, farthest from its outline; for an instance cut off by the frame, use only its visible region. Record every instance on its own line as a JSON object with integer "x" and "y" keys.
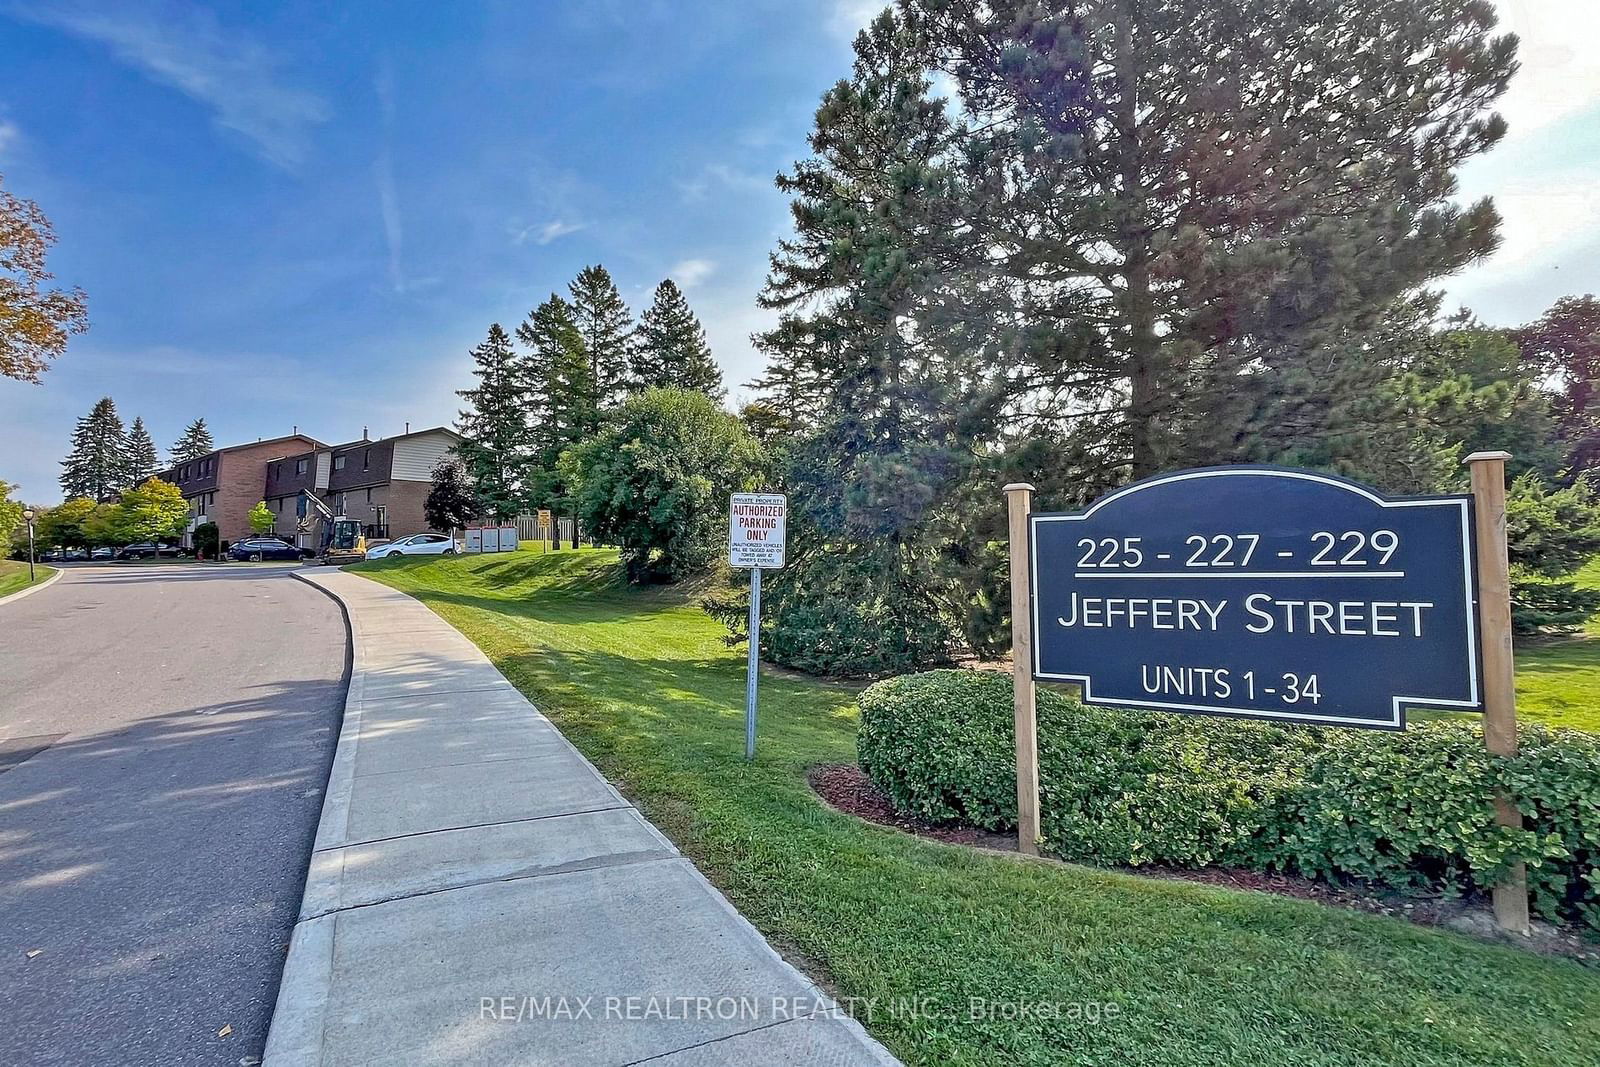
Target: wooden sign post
{"x": 1499, "y": 670}
{"x": 1019, "y": 502}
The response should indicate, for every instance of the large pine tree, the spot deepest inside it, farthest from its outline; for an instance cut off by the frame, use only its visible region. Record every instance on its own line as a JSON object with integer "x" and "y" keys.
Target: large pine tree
{"x": 886, "y": 419}
{"x": 561, "y": 394}
{"x": 194, "y": 443}
{"x": 1145, "y": 234}
{"x": 671, "y": 350}
{"x": 97, "y": 465}
{"x": 606, "y": 326}
{"x": 495, "y": 426}
{"x": 142, "y": 458}
{"x": 1181, "y": 202}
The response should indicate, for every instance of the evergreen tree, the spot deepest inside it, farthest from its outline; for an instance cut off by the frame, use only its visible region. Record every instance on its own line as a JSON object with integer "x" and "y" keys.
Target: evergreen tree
{"x": 606, "y": 327}
{"x": 195, "y": 442}
{"x": 561, "y": 393}
{"x": 670, "y": 349}
{"x": 142, "y": 458}
{"x": 1145, "y": 234}
{"x": 495, "y": 426}
{"x": 1564, "y": 344}
{"x": 97, "y": 465}
{"x": 885, "y": 419}
{"x": 1177, "y": 203}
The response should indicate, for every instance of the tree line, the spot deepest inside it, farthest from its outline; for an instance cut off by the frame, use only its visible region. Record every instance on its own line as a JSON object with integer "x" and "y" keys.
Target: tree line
{"x": 571, "y": 363}
{"x": 106, "y": 459}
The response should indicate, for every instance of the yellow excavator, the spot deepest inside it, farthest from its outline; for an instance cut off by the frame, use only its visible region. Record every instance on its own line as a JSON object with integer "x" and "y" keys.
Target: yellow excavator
{"x": 342, "y": 539}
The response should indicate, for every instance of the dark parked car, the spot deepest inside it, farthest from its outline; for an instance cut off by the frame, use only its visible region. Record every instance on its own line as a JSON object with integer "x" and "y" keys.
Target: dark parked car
{"x": 146, "y": 549}
{"x": 255, "y": 549}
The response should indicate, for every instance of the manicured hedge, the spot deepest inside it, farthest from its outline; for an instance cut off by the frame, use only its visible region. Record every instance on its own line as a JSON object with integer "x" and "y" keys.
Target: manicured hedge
{"x": 1406, "y": 810}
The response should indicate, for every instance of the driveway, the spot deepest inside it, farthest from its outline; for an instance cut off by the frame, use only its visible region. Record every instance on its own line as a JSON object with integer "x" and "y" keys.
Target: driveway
{"x": 165, "y": 736}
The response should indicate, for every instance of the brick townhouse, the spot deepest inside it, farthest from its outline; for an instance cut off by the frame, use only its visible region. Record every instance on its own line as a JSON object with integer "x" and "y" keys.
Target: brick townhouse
{"x": 223, "y": 486}
{"x": 380, "y": 483}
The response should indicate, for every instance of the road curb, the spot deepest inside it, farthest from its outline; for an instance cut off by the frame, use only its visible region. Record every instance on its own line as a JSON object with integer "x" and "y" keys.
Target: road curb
{"x": 302, "y": 988}
{"x": 32, "y": 589}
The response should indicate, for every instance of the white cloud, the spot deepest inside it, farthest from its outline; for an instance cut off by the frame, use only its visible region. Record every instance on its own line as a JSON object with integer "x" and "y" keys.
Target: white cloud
{"x": 10, "y": 134}
{"x": 389, "y": 208}
{"x": 689, "y": 273}
{"x": 186, "y": 49}
{"x": 720, "y": 175}
{"x": 543, "y": 234}
{"x": 383, "y": 172}
{"x": 847, "y": 18}
{"x": 1560, "y": 75}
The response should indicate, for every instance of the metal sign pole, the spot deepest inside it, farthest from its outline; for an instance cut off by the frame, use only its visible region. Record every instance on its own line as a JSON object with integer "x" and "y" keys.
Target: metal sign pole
{"x": 754, "y": 665}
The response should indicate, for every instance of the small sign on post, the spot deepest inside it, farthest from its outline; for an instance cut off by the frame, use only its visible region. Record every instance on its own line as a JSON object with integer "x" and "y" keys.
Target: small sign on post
{"x": 758, "y": 539}
{"x": 546, "y": 524}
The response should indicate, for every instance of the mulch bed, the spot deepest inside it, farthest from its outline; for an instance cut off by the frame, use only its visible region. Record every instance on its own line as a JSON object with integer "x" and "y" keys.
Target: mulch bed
{"x": 846, "y": 787}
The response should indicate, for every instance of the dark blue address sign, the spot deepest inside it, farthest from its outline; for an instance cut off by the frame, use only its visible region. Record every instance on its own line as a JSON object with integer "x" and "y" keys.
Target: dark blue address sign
{"x": 1263, "y": 592}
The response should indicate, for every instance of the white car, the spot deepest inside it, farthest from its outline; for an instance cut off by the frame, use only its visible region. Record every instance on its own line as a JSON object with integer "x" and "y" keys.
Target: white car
{"x": 416, "y": 545}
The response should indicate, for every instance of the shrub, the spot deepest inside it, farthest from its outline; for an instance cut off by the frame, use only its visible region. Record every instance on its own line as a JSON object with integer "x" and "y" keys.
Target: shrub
{"x": 1407, "y": 811}
{"x": 208, "y": 541}
{"x": 655, "y": 481}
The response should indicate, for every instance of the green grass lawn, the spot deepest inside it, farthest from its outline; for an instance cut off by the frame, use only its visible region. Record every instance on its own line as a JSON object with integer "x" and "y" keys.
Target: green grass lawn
{"x": 1558, "y": 681}
{"x": 642, "y": 683}
{"x": 14, "y": 576}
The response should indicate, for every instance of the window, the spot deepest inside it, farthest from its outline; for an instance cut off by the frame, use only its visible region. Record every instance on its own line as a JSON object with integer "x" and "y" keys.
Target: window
{"x": 338, "y": 463}
{"x": 300, "y": 505}
{"x": 185, "y": 475}
{"x": 202, "y": 504}
{"x": 300, "y": 468}
{"x": 369, "y": 496}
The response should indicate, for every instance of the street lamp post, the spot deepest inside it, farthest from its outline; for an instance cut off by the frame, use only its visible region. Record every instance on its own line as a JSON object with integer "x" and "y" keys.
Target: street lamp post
{"x": 27, "y": 516}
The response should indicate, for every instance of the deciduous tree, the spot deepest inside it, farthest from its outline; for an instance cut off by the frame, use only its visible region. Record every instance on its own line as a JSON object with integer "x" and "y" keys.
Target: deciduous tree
{"x": 261, "y": 518}
{"x": 1565, "y": 345}
{"x": 656, "y": 481}
{"x": 452, "y": 503}
{"x": 65, "y": 524}
{"x": 152, "y": 511}
{"x": 35, "y": 320}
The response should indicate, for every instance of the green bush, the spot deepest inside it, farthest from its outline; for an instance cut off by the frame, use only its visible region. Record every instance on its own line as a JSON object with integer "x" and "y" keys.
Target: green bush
{"x": 655, "y": 481}
{"x": 1408, "y": 811}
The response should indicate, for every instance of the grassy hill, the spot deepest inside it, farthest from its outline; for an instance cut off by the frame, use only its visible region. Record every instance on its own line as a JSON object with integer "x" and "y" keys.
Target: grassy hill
{"x": 940, "y": 943}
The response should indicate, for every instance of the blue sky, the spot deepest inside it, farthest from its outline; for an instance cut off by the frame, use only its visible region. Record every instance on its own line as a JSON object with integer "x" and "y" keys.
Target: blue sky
{"x": 305, "y": 214}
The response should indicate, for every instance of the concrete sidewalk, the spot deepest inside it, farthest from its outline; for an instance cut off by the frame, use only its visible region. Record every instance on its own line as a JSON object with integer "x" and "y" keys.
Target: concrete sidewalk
{"x": 479, "y": 894}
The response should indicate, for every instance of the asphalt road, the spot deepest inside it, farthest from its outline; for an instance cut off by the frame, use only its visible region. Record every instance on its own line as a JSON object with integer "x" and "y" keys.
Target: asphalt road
{"x": 165, "y": 737}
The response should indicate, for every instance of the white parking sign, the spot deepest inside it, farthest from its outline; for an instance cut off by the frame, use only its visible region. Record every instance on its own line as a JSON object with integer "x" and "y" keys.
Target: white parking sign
{"x": 757, "y": 530}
